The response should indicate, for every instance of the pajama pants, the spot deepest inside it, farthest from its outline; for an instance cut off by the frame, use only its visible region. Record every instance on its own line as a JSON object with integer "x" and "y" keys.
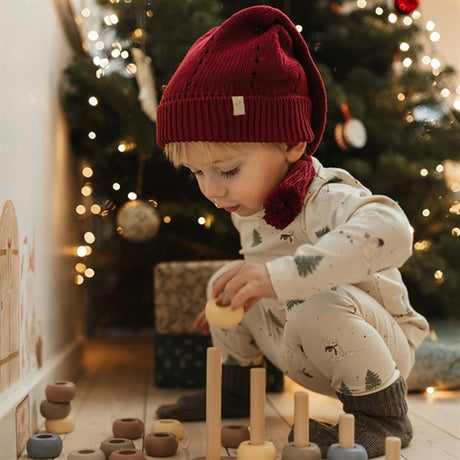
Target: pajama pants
{"x": 341, "y": 340}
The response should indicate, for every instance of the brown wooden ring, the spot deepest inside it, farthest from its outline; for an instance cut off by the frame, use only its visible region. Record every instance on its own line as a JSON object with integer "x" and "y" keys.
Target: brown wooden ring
{"x": 233, "y": 435}
{"x": 60, "y": 392}
{"x": 52, "y": 410}
{"x": 161, "y": 444}
{"x": 86, "y": 454}
{"x": 127, "y": 454}
{"x": 129, "y": 427}
{"x": 110, "y": 445}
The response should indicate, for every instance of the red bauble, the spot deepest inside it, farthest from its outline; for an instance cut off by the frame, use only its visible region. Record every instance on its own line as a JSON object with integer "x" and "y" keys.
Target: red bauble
{"x": 406, "y": 6}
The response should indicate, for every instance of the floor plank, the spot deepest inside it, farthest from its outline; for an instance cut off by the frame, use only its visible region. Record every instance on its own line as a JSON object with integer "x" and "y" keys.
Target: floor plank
{"x": 118, "y": 382}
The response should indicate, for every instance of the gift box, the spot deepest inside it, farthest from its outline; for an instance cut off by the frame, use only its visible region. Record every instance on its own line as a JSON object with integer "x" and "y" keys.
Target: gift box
{"x": 179, "y": 350}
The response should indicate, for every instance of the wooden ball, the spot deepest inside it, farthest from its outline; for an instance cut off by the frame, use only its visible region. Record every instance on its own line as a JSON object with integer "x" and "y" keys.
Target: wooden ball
{"x": 233, "y": 435}
{"x": 168, "y": 425}
{"x": 248, "y": 451}
{"x": 161, "y": 444}
{"x": 86, "y": 454}
{"x": 60, "y": 392}
{"x": 293, "y": 452}
{"x": 52, "y": 410}
{"x": 131, "y": 428}
{"x": 44, "y": 445}
{"x": 110, "y": 445}
{"x": 222, "y": 316}
{"x": 60, "y": 425}
{"x": 127, "y": 454}
{"x": 335, "y": 452}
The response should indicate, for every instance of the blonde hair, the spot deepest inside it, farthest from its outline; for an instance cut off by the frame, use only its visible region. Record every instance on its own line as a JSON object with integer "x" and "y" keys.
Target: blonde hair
{"x": 176, "y": 152}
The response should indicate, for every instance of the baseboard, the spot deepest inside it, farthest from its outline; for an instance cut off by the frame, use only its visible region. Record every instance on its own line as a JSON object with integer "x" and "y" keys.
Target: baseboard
{"x": 66, "y": 365}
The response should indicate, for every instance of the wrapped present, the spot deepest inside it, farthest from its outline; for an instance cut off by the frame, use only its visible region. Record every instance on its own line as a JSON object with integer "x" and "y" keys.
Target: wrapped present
{"x": 180, "y": 351}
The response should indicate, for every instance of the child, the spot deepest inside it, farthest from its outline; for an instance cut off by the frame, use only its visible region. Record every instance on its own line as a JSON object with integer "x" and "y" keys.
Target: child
{"x": 324, "y": 299}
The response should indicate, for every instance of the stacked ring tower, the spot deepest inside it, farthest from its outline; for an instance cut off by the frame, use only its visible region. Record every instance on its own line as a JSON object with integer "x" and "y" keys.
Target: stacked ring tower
{"x": 57, "y": 406}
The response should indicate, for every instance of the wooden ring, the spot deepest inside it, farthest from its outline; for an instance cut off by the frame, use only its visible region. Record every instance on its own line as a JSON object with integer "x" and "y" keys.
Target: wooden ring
{"x": 86, "y": 454}
{"x": 129, "y": 427}
{"x": 292, "y": 452}
{"x": 248, "y": 451}
{"x": 161, "y": 444}
{"x": 335, "y": 452}
{"x": 60, "y": 425}
{"x": 110, "y": 445}
{"x": 233, "y": 435}
{"x": 44, "y": 445}
{"x": 127, "y": 454}
{"x": 168, "y": 425}
{"x": 60, "y": 392}
{"x": 222, "y": 316}
{"x": 52, "y": 410}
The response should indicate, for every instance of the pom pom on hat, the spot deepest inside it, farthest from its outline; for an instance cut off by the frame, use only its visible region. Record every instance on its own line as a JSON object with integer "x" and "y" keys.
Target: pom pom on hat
{"x": 250, "y": 80}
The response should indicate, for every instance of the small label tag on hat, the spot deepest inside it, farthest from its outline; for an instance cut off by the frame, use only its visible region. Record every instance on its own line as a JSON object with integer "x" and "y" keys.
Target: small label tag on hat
{"x": 238, "y": 105}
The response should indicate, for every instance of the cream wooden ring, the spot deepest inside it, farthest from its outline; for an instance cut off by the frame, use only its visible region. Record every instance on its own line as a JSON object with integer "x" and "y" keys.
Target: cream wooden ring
{"x": 86, "y": 454}
{"x": 248, "y": 451}
{"x": 112, "y": 444}
{"x": 222, "y": 316}
{"x": 168, "y": 425}
{"x": 60, "y": 425}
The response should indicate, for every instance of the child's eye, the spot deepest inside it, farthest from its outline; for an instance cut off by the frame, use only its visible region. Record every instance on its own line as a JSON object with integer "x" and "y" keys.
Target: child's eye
{"x": 230, "y": 173}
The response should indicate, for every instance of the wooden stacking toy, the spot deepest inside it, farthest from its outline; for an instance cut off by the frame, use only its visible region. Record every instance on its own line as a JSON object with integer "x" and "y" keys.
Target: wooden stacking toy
{"x": 168, "y": 425}
{"x": 346, "y": 449}
{"x": 110, "y": 445}
{"x": 301, "y": 448}
{"x": 257, "y": 447}
{"x": 128, "y": 427}
{"x": 86, "y": 454}
{"x": 233, "y": 435}
{"x": 56, "y": 407}
{"x": 222, "y": 316}
{"x": 392, "y": 448}
{"x": 161, "y": 444}
{"x": 127, "y": 454}
{"x": 44, "y": 445}
{"x": 213, "y": 405}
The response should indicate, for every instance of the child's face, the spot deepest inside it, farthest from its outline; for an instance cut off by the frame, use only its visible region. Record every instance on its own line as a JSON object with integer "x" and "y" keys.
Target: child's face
{"x": 240, "y": 180}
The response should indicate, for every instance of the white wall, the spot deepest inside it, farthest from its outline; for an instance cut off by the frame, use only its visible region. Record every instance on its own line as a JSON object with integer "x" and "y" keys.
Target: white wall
{"x": 36, "y": 174}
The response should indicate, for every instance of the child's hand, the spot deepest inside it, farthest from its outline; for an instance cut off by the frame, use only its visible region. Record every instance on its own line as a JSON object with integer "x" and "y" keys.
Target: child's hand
{"x": 244, "y": 285}
{"x": 201, "y": 323}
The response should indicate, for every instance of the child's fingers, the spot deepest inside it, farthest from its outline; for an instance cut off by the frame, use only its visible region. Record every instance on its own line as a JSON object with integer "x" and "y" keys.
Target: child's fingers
{"x": 222, "y": 281}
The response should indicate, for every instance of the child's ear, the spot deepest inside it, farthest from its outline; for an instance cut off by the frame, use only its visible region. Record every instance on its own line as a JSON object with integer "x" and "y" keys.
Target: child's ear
{"x": 295, "y": 151}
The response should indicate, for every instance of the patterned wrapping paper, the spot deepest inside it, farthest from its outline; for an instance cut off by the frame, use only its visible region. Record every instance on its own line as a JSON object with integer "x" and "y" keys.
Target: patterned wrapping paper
{"x": 180, "y": 351}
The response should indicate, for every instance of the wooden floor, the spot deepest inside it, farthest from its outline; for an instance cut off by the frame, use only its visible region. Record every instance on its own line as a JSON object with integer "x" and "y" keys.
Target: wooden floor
{"x": 119, "y": 383}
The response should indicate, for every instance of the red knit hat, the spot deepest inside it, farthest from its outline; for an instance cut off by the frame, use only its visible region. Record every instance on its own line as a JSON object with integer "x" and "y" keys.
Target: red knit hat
{"x": 250, "y": 80}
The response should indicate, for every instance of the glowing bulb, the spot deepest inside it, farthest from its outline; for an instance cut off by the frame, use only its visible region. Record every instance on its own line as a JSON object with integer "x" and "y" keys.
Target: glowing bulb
{"x": 201, "y": 220}
{"x": 430, "y": 390}
{"x": 407, "y": 62}
{"x": 424, "y": 172}
{"x": 426, "y": 60}
{"x": 89, "y": 237}
{"x": 401, "y": 97}
{"x": 95, "y": 209}
{"x": 85, "y": 12}
{"x": 132, "y": 196}
{"x": 407, "y": 21}
{"x": 456, "y": 231}
{"x": 81, "y": 251}
{"x": 430, "y": 26}
{"x": 426, "y": 212}
{"x": 445, "y": 92}
{"x": 87, "y": 171}
{"x": 80, "y": 267}
{"x": 116, "y": 186}
{"x": 299, "y": 28}
{"x": 166, "y": 219}
{"x": 93, "y": 101}
{"x": 89, "y": 273}
{"x": 92, "y": 135}
{"x": 79, "y": 280}
{"x": 392, "y": 18}
{"x": 361, "y": 3}
{"x": 92, "y": 35}
{"x": 86, "y": 190}
{"x": 404, "y": 46}
{"x": 435, "y": 64}
{"x": 435, "y": 36}
{"x": 80, "y": 209}
{"x": 379, "y": 11}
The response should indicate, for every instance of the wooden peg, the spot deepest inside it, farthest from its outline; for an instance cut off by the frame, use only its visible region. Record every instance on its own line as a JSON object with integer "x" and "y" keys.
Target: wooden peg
{"x": 392, "y": 448}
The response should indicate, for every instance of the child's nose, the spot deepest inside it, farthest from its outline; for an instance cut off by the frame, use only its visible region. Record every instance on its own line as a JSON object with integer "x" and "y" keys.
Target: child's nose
{"x": 214, "y": 189}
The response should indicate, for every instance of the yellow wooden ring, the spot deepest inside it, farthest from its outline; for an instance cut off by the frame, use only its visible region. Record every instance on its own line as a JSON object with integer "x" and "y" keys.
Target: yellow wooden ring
{"x": 222, "y": 316}
{"x": 168, "y": 425}
{"x": 248, "y": 451}
{"x": 60, "y": 425}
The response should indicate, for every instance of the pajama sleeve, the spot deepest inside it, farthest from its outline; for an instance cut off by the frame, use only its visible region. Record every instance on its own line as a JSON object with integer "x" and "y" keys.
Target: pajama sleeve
{"x": 355, "y": 235}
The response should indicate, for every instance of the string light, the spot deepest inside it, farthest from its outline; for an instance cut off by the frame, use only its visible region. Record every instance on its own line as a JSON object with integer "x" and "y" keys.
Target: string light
{"x": 430, "y": 390}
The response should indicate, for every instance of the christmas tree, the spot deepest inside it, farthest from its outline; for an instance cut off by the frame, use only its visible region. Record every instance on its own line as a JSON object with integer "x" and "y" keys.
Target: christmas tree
{"x": 391, "y": 123}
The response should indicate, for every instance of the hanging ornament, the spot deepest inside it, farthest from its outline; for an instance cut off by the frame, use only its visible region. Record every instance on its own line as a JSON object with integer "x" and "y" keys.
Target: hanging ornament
{"x": 406, "y": 6}
{"x": 352, "y": 133}
{"x": 138, "y": 221}
{"x": 144, "y": 76}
